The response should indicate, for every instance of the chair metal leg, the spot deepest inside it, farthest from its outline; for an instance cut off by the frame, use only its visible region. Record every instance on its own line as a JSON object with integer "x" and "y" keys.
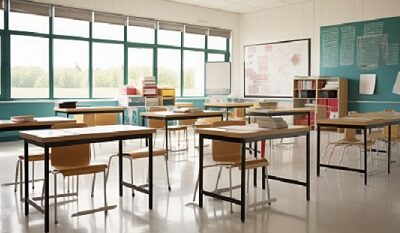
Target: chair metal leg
{"x": 21, "y": 188}
{"x": 330, "y": 155}
{"x": 167, "y": 169}
{"x": 77, "y": 185}
{"x": 93, "y": 183}
{"x": 16, "y": 175}
{"x": 343, "y": 152}
{"x": 131, "y": 162}
{"x": 187, "y": 141}
{"x": 248, "y": 180}
{"x": 267, "y": 182}
{"x": 195, "y": 189}
{"x": 33, "y": 174}
{"x": 325, "y": 149}
{"x": 105, "y": 189}
{"x": 218, "y": 178}
{"x": 55, "y": 198}
{"x": 230, "y": 187}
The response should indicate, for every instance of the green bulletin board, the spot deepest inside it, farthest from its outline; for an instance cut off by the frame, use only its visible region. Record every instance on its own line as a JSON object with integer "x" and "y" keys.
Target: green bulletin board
{"x": 369, "y": 47}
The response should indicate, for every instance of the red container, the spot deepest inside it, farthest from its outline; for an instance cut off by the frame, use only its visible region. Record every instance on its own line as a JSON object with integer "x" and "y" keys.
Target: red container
{"x": 129, "y": 90}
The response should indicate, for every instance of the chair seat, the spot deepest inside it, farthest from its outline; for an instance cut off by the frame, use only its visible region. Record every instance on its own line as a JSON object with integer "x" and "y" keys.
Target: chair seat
{"x": 81, "y": 170}
{"x": 144, "y": 153}
{"x": 250, "y": 164}
{"x": 177, "y": 127}
{"x": 33, "y": 158}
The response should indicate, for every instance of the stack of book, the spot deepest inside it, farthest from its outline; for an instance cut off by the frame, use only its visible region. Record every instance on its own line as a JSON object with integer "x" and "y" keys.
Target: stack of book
{"x": 331, "y": 85}
{"x": 149, "y": 86}
{"x": 272, "y": 123}
{"x": 66, "y": 104}
{"x": 187, "y": 110}
{"x": 26, "y": 118}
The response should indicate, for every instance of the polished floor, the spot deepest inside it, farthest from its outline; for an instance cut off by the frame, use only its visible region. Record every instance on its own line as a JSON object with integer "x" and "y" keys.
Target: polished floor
{"x": 339, "y": 200}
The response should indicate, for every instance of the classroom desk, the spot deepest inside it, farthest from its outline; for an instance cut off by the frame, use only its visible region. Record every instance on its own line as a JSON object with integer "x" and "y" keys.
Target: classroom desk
{"x": 38, "y": 123}
{"x": 91, "y": 110}
{"x": 66, "y": 137}
{"x": 243, "y": 137}
{"x": 365, "y": 122}
{"x": 229, "y": 105}
{"x": 281, "y": 112}
{"x": 171, "y": 116}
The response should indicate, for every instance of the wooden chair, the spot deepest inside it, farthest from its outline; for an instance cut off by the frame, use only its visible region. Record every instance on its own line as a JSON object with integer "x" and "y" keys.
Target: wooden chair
{"x": 228, "y": 155}
{"x": 142, "y": 154}
{"x": 160, "y": 125}
{"x": 75, "y": 161}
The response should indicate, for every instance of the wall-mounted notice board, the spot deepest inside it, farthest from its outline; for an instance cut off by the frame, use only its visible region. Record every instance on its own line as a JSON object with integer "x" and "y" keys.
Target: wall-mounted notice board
{"x": 269, "y": 68}
{"x": 369, "y": 47}
{"x": 218, "y": 78}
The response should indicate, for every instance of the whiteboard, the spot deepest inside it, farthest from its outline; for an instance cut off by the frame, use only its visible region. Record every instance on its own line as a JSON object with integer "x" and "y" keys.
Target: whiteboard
{"x": 270, "y": 68}
{"x": 218, "y": 78}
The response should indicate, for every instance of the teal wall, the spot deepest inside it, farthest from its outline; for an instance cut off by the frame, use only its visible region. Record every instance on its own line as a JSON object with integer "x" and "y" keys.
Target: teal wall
{"x": 45, "y": 108}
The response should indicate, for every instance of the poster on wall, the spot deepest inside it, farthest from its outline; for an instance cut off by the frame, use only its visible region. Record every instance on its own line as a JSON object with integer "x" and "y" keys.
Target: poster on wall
{"x": 269, "y": 68}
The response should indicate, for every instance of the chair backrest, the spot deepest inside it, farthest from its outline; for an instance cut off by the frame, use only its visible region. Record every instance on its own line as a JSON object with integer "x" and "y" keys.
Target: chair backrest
{"x": 70, "y": 156}
{"x": 394, "y": 131}
{"x": 88, "y": 119}
{"x": 107, "y": 119}
{"x": 185, "y": 105}
{"x": 156, "y": 124}
{"x": 226, "y": 151}
{"x": 350, "y": 135}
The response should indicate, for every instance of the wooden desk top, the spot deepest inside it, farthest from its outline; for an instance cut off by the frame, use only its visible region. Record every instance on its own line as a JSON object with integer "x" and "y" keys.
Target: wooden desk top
{"x": 364, "y": 119}
{"x": 263, "y": 111}
{"x": 174, "y": 115}
{"x": 93, "y": 109}
{"x": 229, "y": 105}
{"x": 249, "y": 131}
{"x": 74, "y": 134}
{"x": 38, "y": 121}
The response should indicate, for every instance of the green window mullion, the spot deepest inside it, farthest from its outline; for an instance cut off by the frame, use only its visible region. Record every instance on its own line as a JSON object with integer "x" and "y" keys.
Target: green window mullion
{"x": 6, "y": 85}
{"x": 90, "y": 60}
{"x": 51, "y": 61}
{"x": 227, "y": 55}
{"x": 126, "y": 55}
{"x": 205, "y": 60}
{"x": 182, "y": 68}
{"x": 155, "y": 56}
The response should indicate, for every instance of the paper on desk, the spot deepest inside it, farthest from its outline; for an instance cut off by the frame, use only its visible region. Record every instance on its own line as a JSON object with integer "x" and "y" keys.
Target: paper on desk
{"x": 367, "y": 84}
{"x": 396, "y": 87}
{"x": 251, "y": 127}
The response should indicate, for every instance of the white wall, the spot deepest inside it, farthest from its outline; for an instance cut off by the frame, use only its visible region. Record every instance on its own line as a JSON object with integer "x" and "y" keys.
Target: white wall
{"x": 169, "y": 11}
{"x": 304, "y": 21}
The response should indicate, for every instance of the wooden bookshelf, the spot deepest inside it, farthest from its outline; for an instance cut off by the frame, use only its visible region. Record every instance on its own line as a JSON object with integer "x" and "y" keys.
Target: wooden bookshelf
{"x": 328, "y": 95}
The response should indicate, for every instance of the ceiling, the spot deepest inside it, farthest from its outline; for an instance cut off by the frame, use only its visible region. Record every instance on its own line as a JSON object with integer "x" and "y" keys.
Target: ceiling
{"x": 240, "y": 6}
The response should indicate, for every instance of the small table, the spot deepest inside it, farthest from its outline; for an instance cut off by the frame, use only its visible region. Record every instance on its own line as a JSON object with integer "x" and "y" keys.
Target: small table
{"x": 363, "y": 121}
{"x": 91, "y": 110}
{"x": 73, "y": 136}
{"x": 243, "y": 137}
{"x": 229, "y": 105}
{"x": 172, "y": 116}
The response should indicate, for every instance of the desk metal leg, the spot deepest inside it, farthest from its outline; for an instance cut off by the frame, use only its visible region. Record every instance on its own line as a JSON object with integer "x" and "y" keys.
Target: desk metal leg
{"x": 144, "y": 125}
{"x": 26, "y": 174}
{"x": 166, "y": 137}
{"x": 123, "y": 117}
{"x": 227, "y": 114}
{"x": 318, "y": 148}
{"x": 150, "y": 172}
{"x": 308, "y": 166}
{"x": 243, "y": 184}
{"x": 46, "y": 190}
{"x": 201, "y": 155}
{"x": 389, "y": 149}
{"x": 308, "y": 118}
{"x": 121, "y": 172}
{"x": 365, "y": 156}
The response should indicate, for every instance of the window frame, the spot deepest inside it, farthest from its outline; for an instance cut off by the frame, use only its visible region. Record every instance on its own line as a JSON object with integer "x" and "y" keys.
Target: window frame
{"x": 5, "y": 35}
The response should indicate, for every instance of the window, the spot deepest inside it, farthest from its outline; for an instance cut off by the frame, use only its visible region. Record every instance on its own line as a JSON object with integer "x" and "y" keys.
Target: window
{"x": 215, "y": 57}
{"x": 71, "y": 27}
{"x": 194, "y": 40}
{"x": 71, "y": 62}
{"x": 141, "y": 34}
{"x": 1, "y": 18}
{"x": 193, "y": 73}
{"x": 169, "y": 37}
{"x": 215, "y": 42}
{"x": 108, "y": 31}
{"x": 108, "y": 69}
{"x": 29, "y": 67}
{"x": 37, "y": 23}
{"x": 140, "y": 64}
{"x": 169, "y": 69}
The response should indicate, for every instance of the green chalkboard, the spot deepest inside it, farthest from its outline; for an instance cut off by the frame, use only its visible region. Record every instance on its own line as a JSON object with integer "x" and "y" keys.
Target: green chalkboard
{"x": 368, "y": 47}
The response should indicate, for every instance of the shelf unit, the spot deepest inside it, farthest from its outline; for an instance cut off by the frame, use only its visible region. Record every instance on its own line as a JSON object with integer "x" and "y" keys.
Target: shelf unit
{"x": 328, "y": 95}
